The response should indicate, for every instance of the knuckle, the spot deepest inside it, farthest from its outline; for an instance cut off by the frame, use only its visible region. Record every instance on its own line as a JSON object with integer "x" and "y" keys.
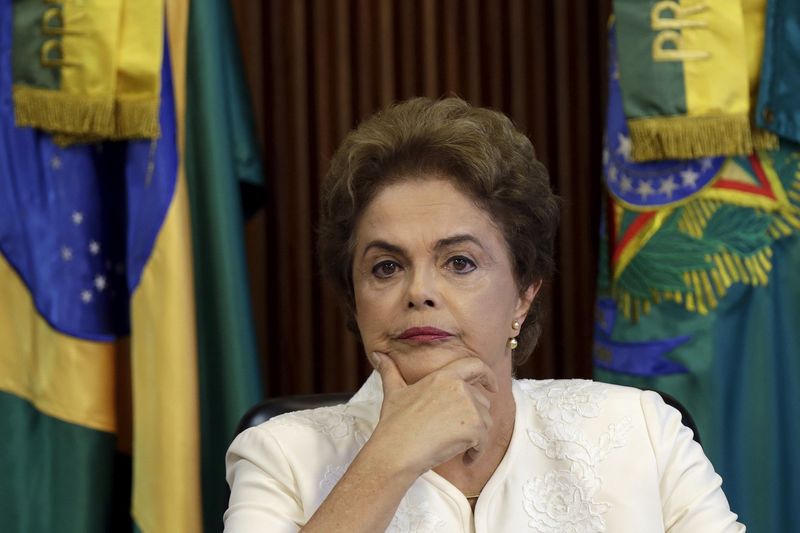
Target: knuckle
{"x": 437, "y": 378}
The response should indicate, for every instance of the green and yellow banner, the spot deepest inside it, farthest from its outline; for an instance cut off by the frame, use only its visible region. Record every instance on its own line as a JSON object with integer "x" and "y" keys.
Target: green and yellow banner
{"x": 688, "y": 71}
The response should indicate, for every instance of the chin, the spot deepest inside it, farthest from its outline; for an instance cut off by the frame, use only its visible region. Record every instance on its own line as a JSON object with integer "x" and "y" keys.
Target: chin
{"x": 417, "y": 363}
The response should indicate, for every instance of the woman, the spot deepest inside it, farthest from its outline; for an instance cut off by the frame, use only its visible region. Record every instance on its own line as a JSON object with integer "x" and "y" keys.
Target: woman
{"x": 437, "y": 229}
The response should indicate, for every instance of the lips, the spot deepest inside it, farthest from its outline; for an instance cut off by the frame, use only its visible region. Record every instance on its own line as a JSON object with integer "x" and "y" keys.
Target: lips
{"x": 424, "y": 334}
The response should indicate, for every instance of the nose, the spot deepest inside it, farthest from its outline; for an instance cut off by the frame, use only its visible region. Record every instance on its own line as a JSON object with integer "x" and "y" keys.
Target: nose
{"x": 421, "y": 292}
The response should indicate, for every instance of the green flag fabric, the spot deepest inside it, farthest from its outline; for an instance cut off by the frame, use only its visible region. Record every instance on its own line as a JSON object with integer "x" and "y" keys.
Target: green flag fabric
{"x": 221, "y": 156}
{"x": 699, "y": 297}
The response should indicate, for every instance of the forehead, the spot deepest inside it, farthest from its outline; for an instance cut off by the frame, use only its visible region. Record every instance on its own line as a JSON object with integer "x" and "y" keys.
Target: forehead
{"x": 424, "y": 210}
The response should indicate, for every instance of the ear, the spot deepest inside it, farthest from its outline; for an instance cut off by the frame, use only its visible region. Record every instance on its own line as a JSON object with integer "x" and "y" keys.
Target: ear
{"x": 526, "y": 299}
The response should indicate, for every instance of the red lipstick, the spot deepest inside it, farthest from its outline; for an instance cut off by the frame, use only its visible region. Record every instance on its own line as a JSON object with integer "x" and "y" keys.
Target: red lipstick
{"x": 424, "y": 334}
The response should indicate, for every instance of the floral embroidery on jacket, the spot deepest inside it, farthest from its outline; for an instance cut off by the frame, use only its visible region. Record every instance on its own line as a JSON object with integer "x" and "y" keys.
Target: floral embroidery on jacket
{"x": 563, "y": 500}
{"x": 333, "y": 422}
{"x": 560, "y": 501}
{"x": 565, "y": 400}
{"x": 561, "y": 441}
{"x": 414, "y": 518}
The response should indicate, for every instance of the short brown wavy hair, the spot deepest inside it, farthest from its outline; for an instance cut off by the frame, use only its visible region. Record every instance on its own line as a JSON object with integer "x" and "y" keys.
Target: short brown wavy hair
{"x": 480, "y": 150}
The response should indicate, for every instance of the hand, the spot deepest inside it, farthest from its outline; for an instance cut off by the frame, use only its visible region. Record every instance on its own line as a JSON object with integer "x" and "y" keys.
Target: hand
{"x": 444, "y": 414}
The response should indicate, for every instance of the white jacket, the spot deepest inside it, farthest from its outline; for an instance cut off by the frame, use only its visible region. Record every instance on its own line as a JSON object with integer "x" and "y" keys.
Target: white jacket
{"x": 584, "y": 457}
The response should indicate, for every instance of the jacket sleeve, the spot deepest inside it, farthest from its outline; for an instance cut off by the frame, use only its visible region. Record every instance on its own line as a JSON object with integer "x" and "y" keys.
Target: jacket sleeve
{"x": 263, "y": 486}
{"x": 691, "y": 494}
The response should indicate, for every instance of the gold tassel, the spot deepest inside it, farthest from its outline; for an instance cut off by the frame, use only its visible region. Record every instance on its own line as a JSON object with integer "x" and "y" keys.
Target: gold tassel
{"x": 683, "y": 137}
{"x": 137, "y": 118}
{"x": 765, "y": 140}
{"x": 68, "y": 113}
{"x": 134, "y": 119}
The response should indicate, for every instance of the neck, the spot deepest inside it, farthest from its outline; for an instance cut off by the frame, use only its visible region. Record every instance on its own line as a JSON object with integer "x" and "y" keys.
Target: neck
{"x": 470, "y": 475}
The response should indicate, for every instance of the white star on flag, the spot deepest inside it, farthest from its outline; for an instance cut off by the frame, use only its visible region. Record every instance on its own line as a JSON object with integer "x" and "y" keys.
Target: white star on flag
{"x": 625, "y": 184}
{"x": 605, "y": 156}
{"x": 668, "y": 186}
{"x": 77, "y": 218}
{"x": 612, "y": 174}
{"x": 86, "y": 296}
{"x": 55, "y": 162}
{"x": 705, "y": 163}
{"x": 644, "y": 189}
{"x": 625, "y": 146}
{"x": 690, "y": 177}
{"x": 66, "y": 253}
{"x": 100, "y": 282}
{"x": 94, "y": 247}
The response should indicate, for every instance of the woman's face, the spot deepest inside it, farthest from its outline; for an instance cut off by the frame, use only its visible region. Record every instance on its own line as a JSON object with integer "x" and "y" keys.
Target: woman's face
{"x": 433, "y": 280}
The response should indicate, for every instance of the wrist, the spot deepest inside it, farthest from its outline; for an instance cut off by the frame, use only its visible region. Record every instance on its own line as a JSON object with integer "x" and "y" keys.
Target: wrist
{"x": 391, "y": 458}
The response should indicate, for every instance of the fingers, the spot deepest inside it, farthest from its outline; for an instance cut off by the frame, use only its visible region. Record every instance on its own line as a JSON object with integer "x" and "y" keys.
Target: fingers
{"x": 474, "y": 452}
{"x": 471, "y": 455}
{"x": 480, "y": 397}
{"x": 482, "y": 406}
{"x": 390, "y": 375}
{"x": 472, "y": 370}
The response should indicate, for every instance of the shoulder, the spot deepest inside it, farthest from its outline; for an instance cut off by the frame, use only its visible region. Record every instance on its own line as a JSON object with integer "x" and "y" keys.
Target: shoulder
{"x": 637, "y": 417}
{"x": 569, "y": 399}
{"x": 335, "y": 424}
{"x": 309, "y": 444}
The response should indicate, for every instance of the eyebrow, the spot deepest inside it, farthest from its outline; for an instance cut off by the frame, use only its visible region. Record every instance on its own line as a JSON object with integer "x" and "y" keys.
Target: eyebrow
{"x": 441, "y": 243}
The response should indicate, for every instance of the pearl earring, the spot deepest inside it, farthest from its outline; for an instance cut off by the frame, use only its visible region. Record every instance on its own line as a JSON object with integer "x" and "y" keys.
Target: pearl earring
{"x": 512, "y": 342}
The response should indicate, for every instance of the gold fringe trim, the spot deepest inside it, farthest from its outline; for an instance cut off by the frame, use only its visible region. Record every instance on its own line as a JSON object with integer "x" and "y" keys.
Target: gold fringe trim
{"x": 137, "y": 118}
{"x": 765, "y": 140}
{"x": 61, "y": 112}
{"x": 85, "y": 119}
{"x": 686, "y": 137}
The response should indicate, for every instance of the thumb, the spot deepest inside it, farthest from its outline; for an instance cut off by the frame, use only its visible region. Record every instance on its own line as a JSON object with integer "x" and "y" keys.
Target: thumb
{"x": 390, "y": 374}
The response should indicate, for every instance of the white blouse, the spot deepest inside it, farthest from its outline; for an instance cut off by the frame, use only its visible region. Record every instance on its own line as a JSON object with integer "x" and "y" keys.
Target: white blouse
{"x": 584, "y": 457}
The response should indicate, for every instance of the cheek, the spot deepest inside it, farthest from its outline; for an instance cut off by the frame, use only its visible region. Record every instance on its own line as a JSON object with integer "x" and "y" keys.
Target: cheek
{"x": 373, "y": 310}
{"x": 487, "y": 314}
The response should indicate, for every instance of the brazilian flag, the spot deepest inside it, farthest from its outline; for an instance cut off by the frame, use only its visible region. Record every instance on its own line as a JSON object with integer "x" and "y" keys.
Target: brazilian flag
{"x": 115, "y": 408}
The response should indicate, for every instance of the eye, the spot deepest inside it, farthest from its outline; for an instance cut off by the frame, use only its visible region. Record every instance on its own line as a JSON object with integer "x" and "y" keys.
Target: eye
{"x": 461, "y": 265}
{"x": 385, "y": 269}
